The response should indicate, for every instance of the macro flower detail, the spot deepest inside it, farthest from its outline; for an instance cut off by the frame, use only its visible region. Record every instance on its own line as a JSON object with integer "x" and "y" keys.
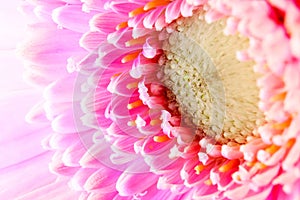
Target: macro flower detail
{"x": 168, "y": 99}
{"x": 224, "y": 87}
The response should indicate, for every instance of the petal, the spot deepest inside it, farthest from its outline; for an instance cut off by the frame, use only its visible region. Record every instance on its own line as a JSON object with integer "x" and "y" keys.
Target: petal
{"x": 130, "y": 184}
{"x": 106, "y": 22}
{"x": 16, "y": 176}
{"x": 48, "y": 42}
{"x": 91, "y": 40}
{"x": 65, "y": 17}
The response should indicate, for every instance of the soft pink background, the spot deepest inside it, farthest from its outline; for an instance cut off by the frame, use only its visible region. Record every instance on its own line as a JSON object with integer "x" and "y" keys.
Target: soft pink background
{"x": 12, "y": 31}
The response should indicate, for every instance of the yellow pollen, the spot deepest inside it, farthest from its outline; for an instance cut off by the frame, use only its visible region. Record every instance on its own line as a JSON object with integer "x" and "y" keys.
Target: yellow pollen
{"x": 283, "y": 125}
{"x": 278, "y": 97}
{"x": 116, "y": 75}
{"x": 131, "y": 123}
{"x": 140, "y": 40}
{"x": 208, "y": 182}
{"x": 231, "y": 164}
{"x": 136, "y": 12}
{"x": 260, "y": 165}
{"x": 122, "y": 25}
{"x": 132, "y": 85}
{"x": 154, "y": 122}
{"x": 238, "y": 177}
{"x": 199, "y": 168}
{"x": 250, "y": 164}
{"x": 155, "y": 3}
{"x": 135, "y": 104}
{"x": 130, "y": 57}
{"x": 272, "y": 149}
{"x": 290, "y": 143}
{"x": 162, "y": 138}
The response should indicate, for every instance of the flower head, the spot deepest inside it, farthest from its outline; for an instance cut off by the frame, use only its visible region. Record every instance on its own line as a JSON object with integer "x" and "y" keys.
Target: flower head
{"x": 170, "y": 99}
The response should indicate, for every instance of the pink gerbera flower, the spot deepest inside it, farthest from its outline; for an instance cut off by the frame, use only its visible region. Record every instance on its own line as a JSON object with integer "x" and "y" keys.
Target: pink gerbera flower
{"x": 168, "y": 99}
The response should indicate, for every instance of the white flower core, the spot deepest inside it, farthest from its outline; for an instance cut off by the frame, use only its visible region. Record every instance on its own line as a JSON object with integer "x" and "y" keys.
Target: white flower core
{"x": 215, "y": 90}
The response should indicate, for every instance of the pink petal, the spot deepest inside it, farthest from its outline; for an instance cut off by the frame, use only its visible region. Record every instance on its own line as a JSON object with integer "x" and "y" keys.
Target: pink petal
{"x": 63, "y": 141}
{"x": 64, "y": 17}
{"x": 72, "y": 1}
{"x": 20, "y": 149}
{"x": 104, "y": 180}
{"x": 73, "y": 154}
{"x": 106, "y": 22}
{"x": 172, "y": 11}
{"x": 149, "y": 51}
{"x": 293, "y": 156}
{"x": 251, "y": 148}
{"x": 44, "y": 11}
{"x": 130, "y": 184}
{"x": 160, "y": 23}
{"x": 260, "y": 195}
{"x": 53, "y": 109}
{"x": 186, "y": 9}
{"x": 48, "y": 42}
{"x": 59, "y": 91}
{"x": 58, "y": 167}
{"x": 122, "y": 7}
{"x": 78, "y": 180}
{"x": 231, "y": 152}
{"x": 156, "y": 148}
{"x": 55, "y": 190}
{"x": 37, "y": 114}
{"x": 265, "y": 178}
{"x": 15, "y": 180}
{"x": 14, "y": 137}
{"x": 238, "y": 192}
{"x": 90, "y": 5}
{"x": 150, "y": 19}
{"x": 95, "y": 195}
{"x": 66, "y": 123}
{"x": 91, "y": 40}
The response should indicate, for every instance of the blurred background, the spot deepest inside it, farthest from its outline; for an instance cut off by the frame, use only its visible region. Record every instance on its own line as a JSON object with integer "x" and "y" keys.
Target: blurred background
{"x": 12, "y": 32}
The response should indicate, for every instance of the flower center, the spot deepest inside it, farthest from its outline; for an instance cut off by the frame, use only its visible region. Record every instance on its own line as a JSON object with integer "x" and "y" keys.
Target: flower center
{"x": 215, "y": 91}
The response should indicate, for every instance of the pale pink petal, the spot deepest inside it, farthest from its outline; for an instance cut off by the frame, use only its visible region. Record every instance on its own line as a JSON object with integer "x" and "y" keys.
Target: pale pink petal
{"x": 91, "y": 40}
{"x": 78, "y": 180}
{"x": 172, "y": 11}
{"x": 106, "y": 22}
{"x": 238, "y": 192}
{"x": 231, "y": 152}
{"x": 64, "y": 17}
{"x": 50, "y": 42}
{"x": 103, "y": 179}
{"x": 265, "y": 178}
{"x": 293, "y": 156}
{"x": 130, "y": 184}
{"x": 55, "y": 190}
{"x": 36, "y": 166}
